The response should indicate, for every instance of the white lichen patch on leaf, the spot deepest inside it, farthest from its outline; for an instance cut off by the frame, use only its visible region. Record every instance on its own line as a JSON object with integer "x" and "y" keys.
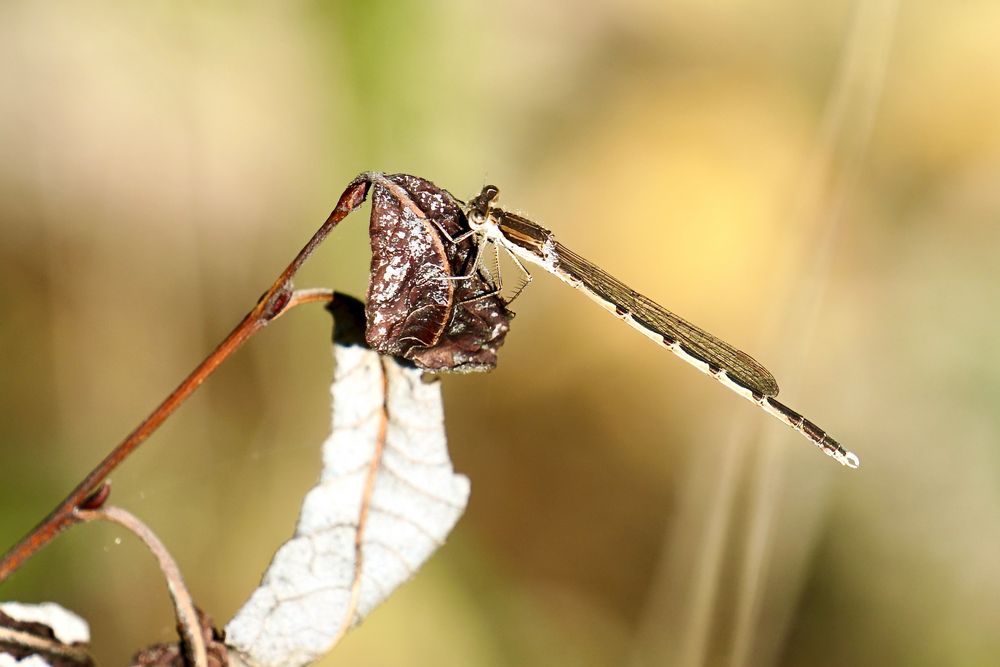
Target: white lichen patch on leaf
{"x": 386, "y": 500}
{"x": 414, "y": 239}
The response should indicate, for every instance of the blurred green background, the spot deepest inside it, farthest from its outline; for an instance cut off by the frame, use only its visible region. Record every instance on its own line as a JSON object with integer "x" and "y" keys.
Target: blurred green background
{"x": 815, "y": 182}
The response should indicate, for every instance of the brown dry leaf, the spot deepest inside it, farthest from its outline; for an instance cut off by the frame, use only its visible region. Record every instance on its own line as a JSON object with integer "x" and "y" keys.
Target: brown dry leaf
{"x": 417, "y": 306}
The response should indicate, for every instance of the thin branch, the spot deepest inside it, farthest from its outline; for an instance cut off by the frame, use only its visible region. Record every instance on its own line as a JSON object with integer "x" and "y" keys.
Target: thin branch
{"x": 311, "y": 295}
{"x": 187, "y": 616}
{"x": 275, "y": 301}
{"x": 45, "y": 646}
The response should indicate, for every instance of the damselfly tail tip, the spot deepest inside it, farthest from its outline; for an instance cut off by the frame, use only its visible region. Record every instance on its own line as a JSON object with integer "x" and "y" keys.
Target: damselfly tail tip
{"x": 849, "y": 459}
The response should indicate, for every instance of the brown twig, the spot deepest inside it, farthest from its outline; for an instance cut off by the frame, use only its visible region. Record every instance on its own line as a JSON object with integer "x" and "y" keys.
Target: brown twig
{"x": 277, "y": 300}
{"x": 45, "y": 646}
{"x": 311, "y": 295}
{"x": 70, "y": 654}
{"x": 187, "y": 616}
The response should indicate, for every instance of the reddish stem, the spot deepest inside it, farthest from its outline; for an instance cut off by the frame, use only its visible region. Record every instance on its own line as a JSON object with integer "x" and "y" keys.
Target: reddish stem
{"x": 188, "y": 623}
{"x": 273, "y": 303}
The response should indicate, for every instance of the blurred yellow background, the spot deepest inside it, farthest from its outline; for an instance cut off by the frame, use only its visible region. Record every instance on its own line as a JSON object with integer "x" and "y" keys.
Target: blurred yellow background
{"x": 815, "y": 182}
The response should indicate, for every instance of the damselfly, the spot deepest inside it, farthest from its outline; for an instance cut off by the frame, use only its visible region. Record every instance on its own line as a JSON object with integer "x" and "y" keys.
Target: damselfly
{"x": 525, "y": 240}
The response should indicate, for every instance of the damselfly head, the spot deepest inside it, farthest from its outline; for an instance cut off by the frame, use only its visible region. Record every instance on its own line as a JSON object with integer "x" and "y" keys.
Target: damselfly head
{"x": 479, "y": 208}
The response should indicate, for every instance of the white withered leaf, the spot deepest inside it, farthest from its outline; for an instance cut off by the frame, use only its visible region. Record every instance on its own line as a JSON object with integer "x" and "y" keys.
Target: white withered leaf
{"x": 387, "y": 499}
